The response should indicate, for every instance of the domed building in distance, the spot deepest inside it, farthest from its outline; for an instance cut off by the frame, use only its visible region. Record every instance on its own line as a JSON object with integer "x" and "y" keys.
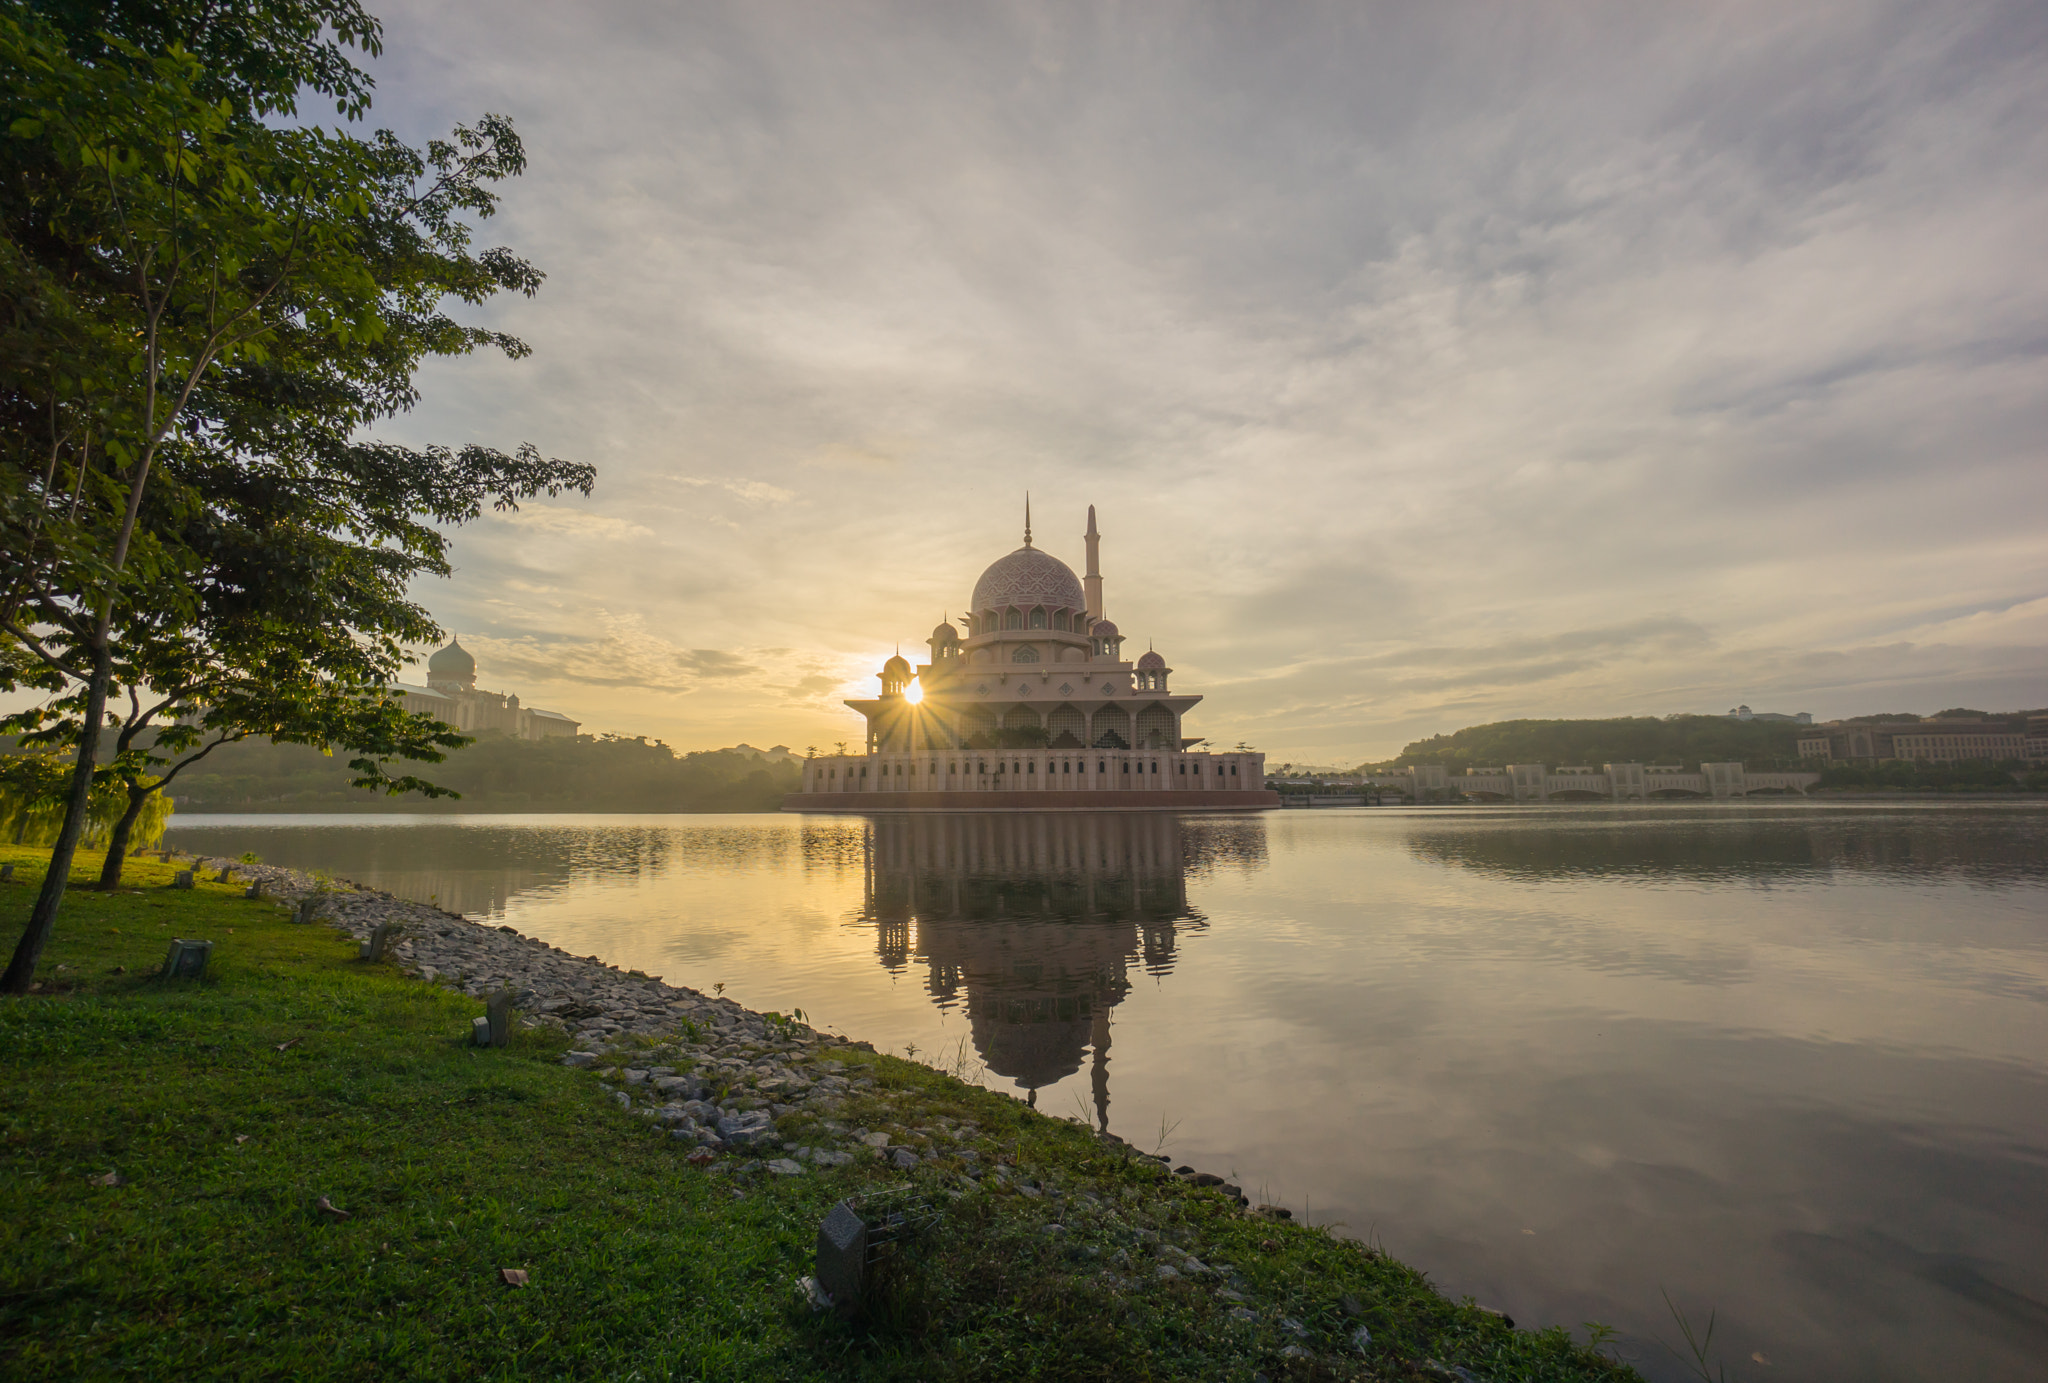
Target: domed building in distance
{"x": 1032, "y": 708}
{"x": 451, "y": 697}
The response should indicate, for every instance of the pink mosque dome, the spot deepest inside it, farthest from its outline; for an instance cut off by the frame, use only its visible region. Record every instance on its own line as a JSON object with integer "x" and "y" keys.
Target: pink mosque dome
{"x": 1151, "y": 661}
{"x": 1028, "y": 577}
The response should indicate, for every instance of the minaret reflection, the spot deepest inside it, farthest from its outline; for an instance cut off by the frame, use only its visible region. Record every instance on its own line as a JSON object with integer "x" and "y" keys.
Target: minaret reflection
{"x": 1031, "y": 923}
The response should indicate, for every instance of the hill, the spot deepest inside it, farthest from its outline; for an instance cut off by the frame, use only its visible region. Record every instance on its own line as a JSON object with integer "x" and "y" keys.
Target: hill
{"x": 496, "y": 774}
{"x": 1684, "y": 739}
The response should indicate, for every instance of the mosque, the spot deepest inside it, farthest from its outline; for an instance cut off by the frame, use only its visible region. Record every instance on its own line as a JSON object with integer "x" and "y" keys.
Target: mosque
{"x": 1033, "y": 708}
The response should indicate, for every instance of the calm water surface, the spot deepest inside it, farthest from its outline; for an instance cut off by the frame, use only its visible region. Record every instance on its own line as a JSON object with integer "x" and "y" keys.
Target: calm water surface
{"x": 1787, "y": 1063}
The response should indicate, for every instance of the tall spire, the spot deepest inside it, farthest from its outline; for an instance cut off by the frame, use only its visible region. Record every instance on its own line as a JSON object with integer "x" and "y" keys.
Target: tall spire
{"x": 1092, "y": 586}
{"x": 1027, "y": 518}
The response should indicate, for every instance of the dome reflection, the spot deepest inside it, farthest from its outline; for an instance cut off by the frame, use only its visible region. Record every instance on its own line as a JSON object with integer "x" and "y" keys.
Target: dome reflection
{"x": 1031, "y": 924}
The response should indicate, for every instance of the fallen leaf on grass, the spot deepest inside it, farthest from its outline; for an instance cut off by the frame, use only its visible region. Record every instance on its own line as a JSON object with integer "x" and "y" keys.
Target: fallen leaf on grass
{"x": 118, "y": 970}
{"x": 328, "y": 1207}
{"x": 285, "y": 1046}
{"x": 110, "y": 1179}
{"x": 512, "y": 1277}
{"x": 700, "y": 1157}
{"x": 241, "y": 1138}
{"x": 1269, "y": 1245}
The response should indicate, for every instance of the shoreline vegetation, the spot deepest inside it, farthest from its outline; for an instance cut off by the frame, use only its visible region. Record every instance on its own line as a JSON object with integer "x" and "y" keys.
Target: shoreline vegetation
{"x": 1761, "y": 746}
{"x": 496, "y": 773}
{"x": 294, "y": 1166}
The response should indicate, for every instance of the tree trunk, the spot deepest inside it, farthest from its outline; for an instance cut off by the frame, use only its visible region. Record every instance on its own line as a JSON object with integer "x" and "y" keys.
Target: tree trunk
{"x": 117, "y": 839}
{"x": 41, "y": 922}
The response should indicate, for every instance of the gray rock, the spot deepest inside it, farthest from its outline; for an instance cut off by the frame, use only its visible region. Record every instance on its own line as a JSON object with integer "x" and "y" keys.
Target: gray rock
{"x": 635, "y": 1077}
{"x": 1243, "y": 1313}
{"x": 786, "y": 1167}
{"x": 1166, "y": 1272}
{"x": 580, "y": 1059}
{"x": 830, "y": 1157}
{"x": 903, "y": 1159}
{"x": 1361, "y": 1339}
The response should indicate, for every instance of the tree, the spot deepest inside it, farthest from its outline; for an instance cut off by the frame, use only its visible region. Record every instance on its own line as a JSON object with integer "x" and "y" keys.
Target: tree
{"x": 205, "y": 309}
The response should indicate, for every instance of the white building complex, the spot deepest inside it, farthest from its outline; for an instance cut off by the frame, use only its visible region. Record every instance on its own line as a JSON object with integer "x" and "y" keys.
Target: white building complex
{"x": 451, "y": 697}
{"x": 1585, "y": 783}
{"x": 1032, "y": 708}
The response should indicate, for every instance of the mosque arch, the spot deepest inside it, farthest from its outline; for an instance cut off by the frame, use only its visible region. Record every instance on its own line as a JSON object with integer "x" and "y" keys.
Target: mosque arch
{"x": 1013, "y": 618}
{"x": 1112, "y": 728}
{"x": 1157, "y": 728}
{"x": 1067, "y": 727}
{"x": 1025, "y": 654}
{"x": 1038, "y": 618}
{"x": 1021, "y": 718}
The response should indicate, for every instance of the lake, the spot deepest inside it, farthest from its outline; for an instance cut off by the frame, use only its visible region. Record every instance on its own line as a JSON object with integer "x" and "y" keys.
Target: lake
{"x": 1787, "y": 1063}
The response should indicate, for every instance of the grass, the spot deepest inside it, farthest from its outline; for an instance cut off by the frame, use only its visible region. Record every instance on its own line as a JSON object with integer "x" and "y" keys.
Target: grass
{"x": 229, "y": 1106}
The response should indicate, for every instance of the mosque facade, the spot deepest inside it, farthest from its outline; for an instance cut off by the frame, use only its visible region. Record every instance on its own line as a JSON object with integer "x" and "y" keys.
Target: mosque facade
{"x": 1031, "y": 705}
{"x": 451, "y": 697}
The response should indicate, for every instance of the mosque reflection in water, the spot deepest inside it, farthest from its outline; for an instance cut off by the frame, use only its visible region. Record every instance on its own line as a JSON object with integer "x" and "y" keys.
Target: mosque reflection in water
{"x": 1032, "y": 924}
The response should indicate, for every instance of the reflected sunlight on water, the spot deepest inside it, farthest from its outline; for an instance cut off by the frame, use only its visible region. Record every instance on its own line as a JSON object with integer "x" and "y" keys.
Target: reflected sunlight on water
{"x": 1785, "y": 1062}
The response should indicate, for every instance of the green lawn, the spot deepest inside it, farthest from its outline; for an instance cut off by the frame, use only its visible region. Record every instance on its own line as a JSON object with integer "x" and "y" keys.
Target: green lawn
{"x": 209, "y": 1258}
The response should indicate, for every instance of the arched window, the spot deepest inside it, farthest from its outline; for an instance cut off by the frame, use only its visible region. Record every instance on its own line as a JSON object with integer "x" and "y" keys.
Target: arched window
{"x": 1038, "y": 618}
{"x": 1013, "y": 618}
{"x": 1024, "y": 654}
{"x": 1059, "y": 619}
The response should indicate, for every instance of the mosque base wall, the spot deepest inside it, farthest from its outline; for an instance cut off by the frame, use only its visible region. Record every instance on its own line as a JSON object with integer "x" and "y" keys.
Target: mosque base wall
{"x": 1216, "y": 800}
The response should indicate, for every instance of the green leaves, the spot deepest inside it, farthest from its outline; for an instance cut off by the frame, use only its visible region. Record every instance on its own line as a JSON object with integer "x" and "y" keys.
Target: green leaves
{"x": 205, "y": 308}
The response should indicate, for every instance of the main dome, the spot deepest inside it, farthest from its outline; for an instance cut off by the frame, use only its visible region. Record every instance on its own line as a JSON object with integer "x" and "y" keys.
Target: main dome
{"x": 1028, "y": 577}
{"x": 452, "y": 663}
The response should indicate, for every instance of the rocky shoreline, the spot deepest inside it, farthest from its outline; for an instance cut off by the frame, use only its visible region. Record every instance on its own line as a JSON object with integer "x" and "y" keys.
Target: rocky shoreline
{"x": 704, "y": 1070}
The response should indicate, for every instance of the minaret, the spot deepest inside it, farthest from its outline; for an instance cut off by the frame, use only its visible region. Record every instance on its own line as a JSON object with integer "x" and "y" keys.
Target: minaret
{"x": 1092, "y": 583}
{"x": 1027, "y": 518}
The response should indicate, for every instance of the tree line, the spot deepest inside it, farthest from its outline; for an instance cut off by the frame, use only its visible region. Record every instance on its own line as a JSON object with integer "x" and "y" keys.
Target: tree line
{"x": 209, "y": 299}
{"x": 605, "y": 773}
{"x": 1682, "y": 739}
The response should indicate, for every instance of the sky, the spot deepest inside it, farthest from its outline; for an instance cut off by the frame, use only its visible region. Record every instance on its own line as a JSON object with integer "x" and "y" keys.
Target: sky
{"x": 1427, "y": 365}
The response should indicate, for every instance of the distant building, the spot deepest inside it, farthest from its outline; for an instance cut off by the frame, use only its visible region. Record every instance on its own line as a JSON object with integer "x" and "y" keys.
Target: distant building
{"x": 451, "y": 697}
{"x": 1586, "y": 783}
{"x": 1771, "y": 717}
{"x": 1952, "y": 740}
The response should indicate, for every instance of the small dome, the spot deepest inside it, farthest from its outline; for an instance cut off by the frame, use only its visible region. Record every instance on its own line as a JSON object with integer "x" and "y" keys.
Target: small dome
{"x": 1105, "y": 630}
{"x": 1028, "y": 577}
{"x": 897, "y": 666}
{"x": 945, "y": 633}
{"x": 1150, "y": 661}
{"x": 451, "y": 664}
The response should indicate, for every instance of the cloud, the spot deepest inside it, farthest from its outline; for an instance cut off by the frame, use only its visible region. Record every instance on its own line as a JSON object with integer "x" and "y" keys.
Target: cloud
{"x": 1596, "y": 360}
{"x": 575, "y": 523}
{"x": 622, "y": 654}
{"x": 752, "y": 491}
